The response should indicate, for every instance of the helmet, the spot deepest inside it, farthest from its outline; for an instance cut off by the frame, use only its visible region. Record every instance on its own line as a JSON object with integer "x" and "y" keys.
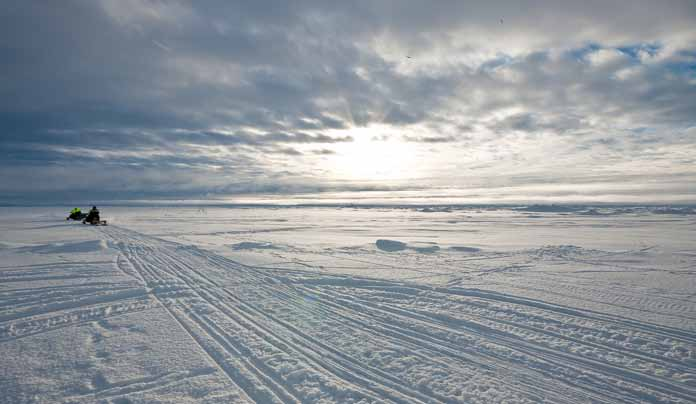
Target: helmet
{"x": 94, "y": 207}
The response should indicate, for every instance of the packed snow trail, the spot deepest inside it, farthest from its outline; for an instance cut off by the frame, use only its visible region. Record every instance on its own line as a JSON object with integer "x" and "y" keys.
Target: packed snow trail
{"x": 288, "y": 336}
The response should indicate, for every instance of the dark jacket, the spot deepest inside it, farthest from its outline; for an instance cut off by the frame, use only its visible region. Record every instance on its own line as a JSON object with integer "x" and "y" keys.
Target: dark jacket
{"x": 92, "y": 216}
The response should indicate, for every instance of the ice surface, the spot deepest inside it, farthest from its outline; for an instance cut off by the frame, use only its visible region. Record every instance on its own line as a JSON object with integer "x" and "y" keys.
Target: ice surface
{"x": 425, "y": 304}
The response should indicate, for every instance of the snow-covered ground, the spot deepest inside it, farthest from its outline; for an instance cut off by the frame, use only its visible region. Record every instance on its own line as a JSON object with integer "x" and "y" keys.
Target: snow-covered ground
{"x": 287, "y": 305}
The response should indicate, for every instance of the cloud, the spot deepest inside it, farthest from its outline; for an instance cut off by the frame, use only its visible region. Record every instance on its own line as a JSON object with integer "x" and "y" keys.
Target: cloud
{"x": 324, "y": 152}
{"x": 216, "y": 138}
{"x": 430, "y": 139}
{"x": 222, "y": 92}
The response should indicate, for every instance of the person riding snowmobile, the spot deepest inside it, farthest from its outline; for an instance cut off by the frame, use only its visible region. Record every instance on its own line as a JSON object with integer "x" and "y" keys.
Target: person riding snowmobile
{"x": 76, "y": 214}
{"x": 92, "y": 216}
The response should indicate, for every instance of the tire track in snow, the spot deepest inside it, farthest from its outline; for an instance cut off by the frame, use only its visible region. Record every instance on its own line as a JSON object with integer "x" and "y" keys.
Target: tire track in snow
{"x": 238, "y": 298}
{"x": 262, "y": 277}
{"x": 341, "y": 361}
{"x": 666, "y": 387}
{"x": 252, "y": 383}
{"x": 411, "y": 334}
{"x": 35, "y": 326}
{"x": 546, "y": 357}
{"x": 494, "y": 316}
{"x": 80, "y": 302}
{"x": 616, "y": 297}
{"x": 245, "y": 358}
{"x": 342, "y": 369}
{"x": 517, "y": 342}
{"x": 142, "y": 385}
{"x": 232, "y": 374}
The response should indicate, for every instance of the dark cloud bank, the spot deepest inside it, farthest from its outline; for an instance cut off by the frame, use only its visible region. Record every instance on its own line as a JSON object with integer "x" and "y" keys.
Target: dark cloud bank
{"x": 147, "y": 99}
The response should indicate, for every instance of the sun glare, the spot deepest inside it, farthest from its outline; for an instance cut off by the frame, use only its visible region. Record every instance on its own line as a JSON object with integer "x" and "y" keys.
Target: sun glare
{"x": 377, "y": 153}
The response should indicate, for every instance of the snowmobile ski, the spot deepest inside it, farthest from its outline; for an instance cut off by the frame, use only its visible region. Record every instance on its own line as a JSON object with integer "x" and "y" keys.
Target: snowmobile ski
{"x": 96, "y": 223}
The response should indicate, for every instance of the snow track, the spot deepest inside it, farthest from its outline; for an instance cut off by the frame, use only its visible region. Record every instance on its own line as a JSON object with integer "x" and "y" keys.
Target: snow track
{"x": 231, "y": 332}
{"x": 293, "y": 336}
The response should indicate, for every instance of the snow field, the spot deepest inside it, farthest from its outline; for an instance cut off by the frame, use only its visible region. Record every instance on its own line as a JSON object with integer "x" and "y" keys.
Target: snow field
{"x": 228, "y": 309}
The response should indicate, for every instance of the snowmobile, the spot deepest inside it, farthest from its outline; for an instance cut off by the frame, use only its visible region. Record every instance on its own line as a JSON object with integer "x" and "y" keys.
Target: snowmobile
{"x": 76, "y": 216}
{"x": 93, "y": 218}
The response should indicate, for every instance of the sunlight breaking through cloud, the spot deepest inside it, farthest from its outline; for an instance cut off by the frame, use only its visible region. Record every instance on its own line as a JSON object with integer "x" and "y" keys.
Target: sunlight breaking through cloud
{"x": 490, "y": 102}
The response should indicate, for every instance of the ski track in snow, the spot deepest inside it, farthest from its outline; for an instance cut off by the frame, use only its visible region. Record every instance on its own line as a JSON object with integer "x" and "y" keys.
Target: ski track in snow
{"x": 290, "y": 336}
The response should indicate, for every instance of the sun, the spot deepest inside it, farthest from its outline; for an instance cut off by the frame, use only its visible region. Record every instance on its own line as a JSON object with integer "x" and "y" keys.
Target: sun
{"x": 377, "y": 153}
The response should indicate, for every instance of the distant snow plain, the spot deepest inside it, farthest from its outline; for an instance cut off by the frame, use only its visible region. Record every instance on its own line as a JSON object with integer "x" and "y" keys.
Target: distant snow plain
{"x": 348, "y": 304}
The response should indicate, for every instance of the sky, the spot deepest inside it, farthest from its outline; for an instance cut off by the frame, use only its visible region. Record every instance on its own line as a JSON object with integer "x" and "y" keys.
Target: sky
{"x": 430, "y": 101}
